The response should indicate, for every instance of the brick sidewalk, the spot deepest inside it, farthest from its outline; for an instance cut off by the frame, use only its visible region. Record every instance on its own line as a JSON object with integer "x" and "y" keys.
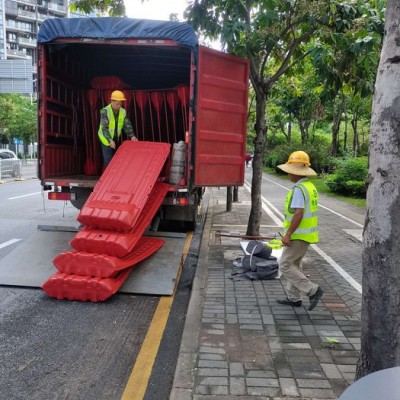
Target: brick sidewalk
{"x": 238, "y": 343}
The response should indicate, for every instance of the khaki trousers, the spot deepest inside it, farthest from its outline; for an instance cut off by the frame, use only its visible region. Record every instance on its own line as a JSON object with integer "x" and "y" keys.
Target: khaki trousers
{"x": 290, "y": 265}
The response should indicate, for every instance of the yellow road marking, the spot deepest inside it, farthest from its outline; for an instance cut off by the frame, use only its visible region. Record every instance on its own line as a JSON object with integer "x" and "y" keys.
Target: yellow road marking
{"x": 137, "y": 383}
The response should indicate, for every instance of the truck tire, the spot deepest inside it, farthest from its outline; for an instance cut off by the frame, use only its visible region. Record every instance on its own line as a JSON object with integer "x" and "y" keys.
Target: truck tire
{"x": 193, "y": 222}
{"x": 194, "y": 212}
{"x": 82, "y": 194}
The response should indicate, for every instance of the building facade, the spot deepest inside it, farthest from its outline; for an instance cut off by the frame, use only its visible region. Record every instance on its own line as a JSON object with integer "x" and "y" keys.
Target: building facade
{"x": 20, "y": 21}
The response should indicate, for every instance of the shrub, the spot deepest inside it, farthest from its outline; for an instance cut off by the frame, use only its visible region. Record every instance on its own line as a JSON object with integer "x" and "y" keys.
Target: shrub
{"x": 276, "y": 139}
{"x": 353, "y": 168}
{"x": 350, "y": 177}
{"x": 318, "y": 150}
{"x": 272, "y": 160}
{"x": 331, "y": 181}
{"x": 356, "y": 188}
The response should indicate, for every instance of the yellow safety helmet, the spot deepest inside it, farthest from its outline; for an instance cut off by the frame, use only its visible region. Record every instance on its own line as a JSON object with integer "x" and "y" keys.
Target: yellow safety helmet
{"x": 299, "y": 157}
{"x": 117, "y": 95}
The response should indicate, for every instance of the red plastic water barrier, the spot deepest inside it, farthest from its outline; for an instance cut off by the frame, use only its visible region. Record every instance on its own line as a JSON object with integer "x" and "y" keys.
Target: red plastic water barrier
{"x": 84, "y": 288}
{"x": 103, "y": 265}
{"x": 115, "y": 243}
{"x": 108, "y": 82}
{"x": 125, "y": 186}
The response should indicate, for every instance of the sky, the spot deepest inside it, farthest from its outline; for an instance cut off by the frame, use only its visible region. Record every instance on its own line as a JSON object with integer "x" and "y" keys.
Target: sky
{"x": 155, "y": 9}
{"x": 161, "y": 9}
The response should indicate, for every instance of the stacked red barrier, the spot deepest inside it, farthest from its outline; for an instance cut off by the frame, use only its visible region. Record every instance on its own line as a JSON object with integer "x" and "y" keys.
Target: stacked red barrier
{"x": 115, "y": 216}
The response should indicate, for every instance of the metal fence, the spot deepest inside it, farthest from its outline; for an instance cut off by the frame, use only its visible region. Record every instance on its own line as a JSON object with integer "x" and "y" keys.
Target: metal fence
{"x": 10, "y": 168}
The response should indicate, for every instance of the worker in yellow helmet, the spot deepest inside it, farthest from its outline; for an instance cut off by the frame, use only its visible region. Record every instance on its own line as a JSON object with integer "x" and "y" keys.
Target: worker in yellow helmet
{"x": 300, "y": 230}
{"x": 113, "y": 120}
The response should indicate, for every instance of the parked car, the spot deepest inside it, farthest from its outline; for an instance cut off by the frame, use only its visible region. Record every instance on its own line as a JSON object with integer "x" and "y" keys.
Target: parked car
{"x": 10, "y": 164}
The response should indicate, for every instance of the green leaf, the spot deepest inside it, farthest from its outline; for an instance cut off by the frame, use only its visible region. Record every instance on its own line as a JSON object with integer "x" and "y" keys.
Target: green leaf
{"x": 331, "y": 340}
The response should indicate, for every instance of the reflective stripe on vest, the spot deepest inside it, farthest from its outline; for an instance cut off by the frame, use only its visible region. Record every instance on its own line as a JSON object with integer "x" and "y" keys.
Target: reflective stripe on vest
{"x": 111, "y": 124}
{"x": 308, "y": 228}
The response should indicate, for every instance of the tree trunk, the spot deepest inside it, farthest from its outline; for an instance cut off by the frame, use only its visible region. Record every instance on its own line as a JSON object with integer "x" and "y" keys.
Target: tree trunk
{"x": 335, "y": 133}
{"x": 289, "y": 134}
{"x": 345, "y": 133}
{"x": 253, "y": 227}
{"x": 356, "y": 139}
{"x": 303, "y": 132}
{"x": 380, "y": 319}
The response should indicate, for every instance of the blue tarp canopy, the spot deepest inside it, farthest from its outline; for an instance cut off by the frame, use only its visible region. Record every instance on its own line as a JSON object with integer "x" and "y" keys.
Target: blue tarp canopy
{"x": 117, "y": 28}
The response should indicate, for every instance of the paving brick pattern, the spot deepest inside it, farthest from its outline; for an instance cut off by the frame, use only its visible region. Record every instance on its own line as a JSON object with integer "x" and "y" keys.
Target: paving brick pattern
{"x": 250, "y": 347}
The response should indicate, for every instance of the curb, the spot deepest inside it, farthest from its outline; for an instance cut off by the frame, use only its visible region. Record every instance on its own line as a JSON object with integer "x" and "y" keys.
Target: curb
{"x": 183, "y": 384}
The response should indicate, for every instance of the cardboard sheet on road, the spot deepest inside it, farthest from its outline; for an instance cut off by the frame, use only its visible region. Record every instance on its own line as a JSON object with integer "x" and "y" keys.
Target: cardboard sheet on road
{"x": 31, "y": 263}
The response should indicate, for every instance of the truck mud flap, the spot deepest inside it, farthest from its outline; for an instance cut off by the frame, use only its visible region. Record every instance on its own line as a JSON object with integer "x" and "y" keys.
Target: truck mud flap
{"x": 125, "y": 186}
{"x": 120, "y": 244}
{"x": 84, "y": 288}
{"x": 103, "y": 265}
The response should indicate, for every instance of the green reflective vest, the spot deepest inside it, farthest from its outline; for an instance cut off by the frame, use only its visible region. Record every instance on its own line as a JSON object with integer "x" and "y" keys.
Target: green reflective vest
{"x": 111, "y": 124}
{"x": 308, "y": 228}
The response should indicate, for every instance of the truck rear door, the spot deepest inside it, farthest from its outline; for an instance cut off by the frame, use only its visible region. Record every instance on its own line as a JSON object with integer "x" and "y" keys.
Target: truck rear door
{"x": 221, "y": 119}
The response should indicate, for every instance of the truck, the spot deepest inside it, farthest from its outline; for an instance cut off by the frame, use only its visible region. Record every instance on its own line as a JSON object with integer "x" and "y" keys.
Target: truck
{"x": 177, "y": 91}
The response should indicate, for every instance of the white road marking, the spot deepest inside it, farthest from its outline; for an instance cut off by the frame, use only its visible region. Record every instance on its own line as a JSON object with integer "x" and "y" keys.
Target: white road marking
{"x": 322, "y": 206}
{"x": 342, "y": 216}
{"x": 267, "y": 209}
{"x": 267, "y": 206}
{"x": 356, "y": 233}
{"x": 8, "y": 243}
{"x": 338, "y": 268}
{"x": 25, "y": 195}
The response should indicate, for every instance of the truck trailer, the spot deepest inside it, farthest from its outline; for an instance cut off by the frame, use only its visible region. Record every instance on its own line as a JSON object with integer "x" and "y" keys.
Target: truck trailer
{"x": 178, "y": 92}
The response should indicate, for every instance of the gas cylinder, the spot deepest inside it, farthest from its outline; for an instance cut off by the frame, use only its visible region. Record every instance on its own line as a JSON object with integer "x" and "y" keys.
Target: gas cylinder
{"x": 178, "y": 163}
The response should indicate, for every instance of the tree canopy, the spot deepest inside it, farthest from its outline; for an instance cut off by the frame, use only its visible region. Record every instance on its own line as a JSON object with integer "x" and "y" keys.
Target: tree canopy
{"x": 18, "y": 118}
{"x": 113, "y": 8}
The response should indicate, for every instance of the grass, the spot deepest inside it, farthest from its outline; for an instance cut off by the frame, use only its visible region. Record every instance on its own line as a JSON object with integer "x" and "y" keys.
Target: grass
{"x": 322, "y": 187}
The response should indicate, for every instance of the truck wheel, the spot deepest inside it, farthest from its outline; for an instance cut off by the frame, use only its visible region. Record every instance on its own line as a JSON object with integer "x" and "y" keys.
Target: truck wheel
{"x": 193, "y": 222}
{"x": 82, "y": 194}
{"x": 194, "y": 212}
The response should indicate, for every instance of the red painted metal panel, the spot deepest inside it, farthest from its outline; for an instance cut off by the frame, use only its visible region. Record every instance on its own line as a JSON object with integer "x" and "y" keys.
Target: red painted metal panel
{"x": 116, "y": 243}
{"x": 221, "y": 119}
{"x": 123, "y": 189}
{"x": 84, "y": 288}
{"x": 103, "y": 265}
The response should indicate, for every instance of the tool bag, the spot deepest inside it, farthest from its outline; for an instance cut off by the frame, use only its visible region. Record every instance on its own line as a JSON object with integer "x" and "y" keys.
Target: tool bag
{"x": 259, "y": 249}
{"x": 256, "y": 268}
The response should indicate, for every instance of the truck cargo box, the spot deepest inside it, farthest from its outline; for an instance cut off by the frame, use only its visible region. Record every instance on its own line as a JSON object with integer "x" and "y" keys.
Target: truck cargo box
{"x": 177, "y": 92}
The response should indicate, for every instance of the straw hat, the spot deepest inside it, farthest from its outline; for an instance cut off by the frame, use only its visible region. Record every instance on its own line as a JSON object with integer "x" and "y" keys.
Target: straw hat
{"x": 298, "y": 164}
{"x": 298, "y": 169}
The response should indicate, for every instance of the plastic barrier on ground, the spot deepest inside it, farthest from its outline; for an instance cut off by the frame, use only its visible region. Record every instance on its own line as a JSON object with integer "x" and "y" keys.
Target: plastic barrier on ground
{"x": 104, "y": 265}
{"x": 84, "y": 288}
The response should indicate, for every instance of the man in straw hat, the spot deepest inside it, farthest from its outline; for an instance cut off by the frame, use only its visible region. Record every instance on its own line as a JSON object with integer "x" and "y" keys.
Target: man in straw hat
{"x": 301, "y": 229}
